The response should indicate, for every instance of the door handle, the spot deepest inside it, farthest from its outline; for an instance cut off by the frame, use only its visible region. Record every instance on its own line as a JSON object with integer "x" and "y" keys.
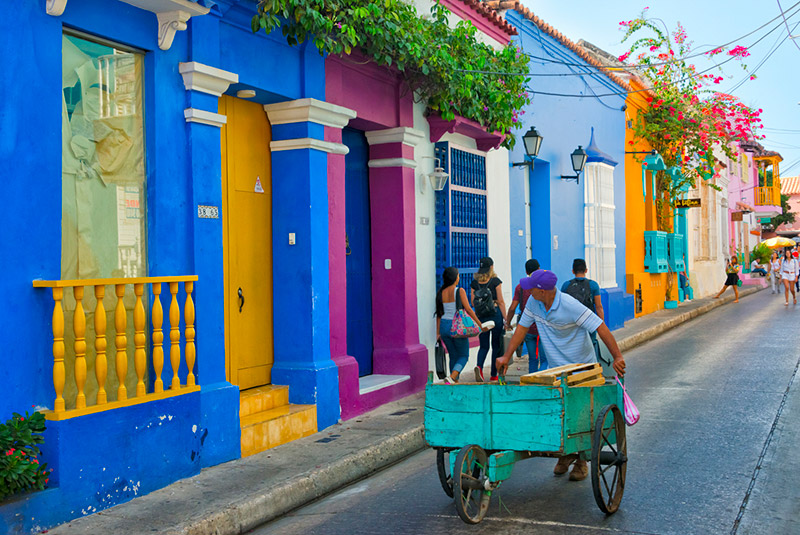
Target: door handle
{"x": 241, "y": 299}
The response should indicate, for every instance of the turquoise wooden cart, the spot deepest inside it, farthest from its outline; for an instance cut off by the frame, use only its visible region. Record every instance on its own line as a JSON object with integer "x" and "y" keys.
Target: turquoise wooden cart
{"x": 490, "y": 426}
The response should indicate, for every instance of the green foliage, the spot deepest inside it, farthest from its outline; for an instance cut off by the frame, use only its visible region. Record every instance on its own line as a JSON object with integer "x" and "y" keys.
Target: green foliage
{"x": 787, "y": 216}
{"x": 19, "y": 467}
{"x": 437, "y": 61}
{"x": 762, "y": 253}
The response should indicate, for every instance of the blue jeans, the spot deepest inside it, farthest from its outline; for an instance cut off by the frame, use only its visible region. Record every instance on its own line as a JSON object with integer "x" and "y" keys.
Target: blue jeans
{"x": 496, "y": 336}
{"x": 760, "y": 271}
{"x": 457, "y": 348}
{"x": 535, "y": 362}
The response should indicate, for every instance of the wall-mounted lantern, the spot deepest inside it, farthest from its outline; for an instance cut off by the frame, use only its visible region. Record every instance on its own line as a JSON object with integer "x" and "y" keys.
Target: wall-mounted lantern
{"x": 533, "y": 142}
{"x": 438, "y": 177}
{"x": 578, "y": 158}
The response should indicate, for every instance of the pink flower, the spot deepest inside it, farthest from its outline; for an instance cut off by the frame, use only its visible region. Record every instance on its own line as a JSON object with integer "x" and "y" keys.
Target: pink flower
{"x": 624, "y": 56}
{"x": 667, "y": 136}
{"x": 739, "y": 52}
{"x": 654, "y": 48}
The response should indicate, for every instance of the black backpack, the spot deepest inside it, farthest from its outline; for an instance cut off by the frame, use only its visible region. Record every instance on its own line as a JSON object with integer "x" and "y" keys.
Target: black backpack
{"x": 581, "y": 289}
{"x": 483, "y": 301}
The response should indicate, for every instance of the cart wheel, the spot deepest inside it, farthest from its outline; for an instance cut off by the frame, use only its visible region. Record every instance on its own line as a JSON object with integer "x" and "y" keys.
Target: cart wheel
{"x": 472, "y": 500}
{"x": 443, "y": 467}
{"x": 609, "y": 459}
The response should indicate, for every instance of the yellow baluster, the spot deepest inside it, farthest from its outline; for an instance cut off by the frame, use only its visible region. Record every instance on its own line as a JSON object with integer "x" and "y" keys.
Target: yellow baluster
{"x": 100, "y": 363}
{"x": 188, "y": 318}
{"x": 139, "y": 355}
{"x": 121, "y": 357}
{"x": 59, "y": 373}
{"x": 79, "y": 328}
{"x": 158, "y": 337}
{"x": 174, "y": 335}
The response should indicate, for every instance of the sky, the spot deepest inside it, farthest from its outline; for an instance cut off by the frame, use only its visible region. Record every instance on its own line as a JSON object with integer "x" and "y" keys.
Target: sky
{"x": 708, "y": 23}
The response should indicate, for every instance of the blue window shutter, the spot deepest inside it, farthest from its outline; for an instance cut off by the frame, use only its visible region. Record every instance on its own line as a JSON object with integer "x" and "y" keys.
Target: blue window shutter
{"x": 461, "y": 222}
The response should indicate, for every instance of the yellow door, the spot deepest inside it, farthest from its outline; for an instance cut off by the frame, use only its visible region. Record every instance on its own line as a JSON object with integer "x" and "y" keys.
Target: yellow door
{"x": 247, "y": 241}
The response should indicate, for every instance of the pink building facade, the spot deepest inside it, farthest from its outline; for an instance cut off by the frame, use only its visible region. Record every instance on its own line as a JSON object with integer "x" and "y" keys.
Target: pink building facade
{"x": 375, "y": 341}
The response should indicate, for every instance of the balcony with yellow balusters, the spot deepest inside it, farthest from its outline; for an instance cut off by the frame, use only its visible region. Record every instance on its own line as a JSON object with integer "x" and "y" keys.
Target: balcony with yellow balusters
{"x": 75, "y": 350}
{"x": 768, "y": 190}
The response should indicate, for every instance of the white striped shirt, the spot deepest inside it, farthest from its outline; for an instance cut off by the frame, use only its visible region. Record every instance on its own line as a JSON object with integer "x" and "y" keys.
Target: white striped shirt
{"x": 563, "y": 330}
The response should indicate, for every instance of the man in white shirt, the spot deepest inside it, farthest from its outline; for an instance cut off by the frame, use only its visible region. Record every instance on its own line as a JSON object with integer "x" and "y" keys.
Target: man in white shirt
{"x": 564, "y": 325}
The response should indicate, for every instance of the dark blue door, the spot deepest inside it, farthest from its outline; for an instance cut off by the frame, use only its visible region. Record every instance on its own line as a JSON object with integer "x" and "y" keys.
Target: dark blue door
{"x": 359, "y": 251}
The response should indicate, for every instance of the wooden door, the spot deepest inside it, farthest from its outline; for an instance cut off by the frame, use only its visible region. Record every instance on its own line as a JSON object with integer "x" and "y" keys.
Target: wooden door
{"x": 358, "y": 250}
{"x": 247, "y": 242}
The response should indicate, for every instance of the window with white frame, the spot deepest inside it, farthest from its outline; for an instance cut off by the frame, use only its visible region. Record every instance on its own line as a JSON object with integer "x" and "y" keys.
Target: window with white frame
{"x": 598, "y": 216}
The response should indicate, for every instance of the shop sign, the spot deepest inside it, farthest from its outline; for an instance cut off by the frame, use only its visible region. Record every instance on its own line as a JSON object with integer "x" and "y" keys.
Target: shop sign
{"x": 687, "y": 203}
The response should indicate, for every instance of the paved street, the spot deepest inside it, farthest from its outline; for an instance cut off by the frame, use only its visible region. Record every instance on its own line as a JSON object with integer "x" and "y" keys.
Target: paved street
{"x": 708, "y": 391}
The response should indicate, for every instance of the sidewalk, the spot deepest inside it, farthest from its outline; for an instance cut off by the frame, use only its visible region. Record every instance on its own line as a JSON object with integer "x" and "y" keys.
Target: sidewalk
{"x": 235, "y": 497}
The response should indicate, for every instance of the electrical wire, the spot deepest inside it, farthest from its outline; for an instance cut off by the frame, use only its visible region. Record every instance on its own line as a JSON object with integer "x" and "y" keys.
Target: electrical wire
{"x": 565, "y": 95}
{"x": 761, "y": 63}
{"x": 635, "y": 66}
{"x": 783, "y": 14}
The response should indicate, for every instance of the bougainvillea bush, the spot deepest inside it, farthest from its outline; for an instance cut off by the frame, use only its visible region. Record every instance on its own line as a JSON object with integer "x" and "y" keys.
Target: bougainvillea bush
{"x": 687, "y": 118}
{"x": 445, "y": 67}
{"x": 20, "y": 469}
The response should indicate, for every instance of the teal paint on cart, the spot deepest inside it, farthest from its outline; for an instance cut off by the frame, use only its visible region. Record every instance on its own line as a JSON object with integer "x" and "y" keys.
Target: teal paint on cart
{"x": 534, "y": 418}
{"x": 493, "y": 416}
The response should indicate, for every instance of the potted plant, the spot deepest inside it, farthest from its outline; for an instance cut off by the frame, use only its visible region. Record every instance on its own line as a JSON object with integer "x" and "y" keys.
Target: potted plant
{"x": 668, "y": 301}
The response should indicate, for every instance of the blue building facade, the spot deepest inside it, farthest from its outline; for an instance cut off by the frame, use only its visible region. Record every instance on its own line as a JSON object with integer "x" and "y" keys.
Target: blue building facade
{"x": 554, "y": 217}
{"x": 115, "y": 136}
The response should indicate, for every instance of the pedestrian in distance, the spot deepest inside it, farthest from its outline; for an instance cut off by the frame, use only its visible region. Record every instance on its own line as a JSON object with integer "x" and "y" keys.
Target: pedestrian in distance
{"x": 775, "y": 272}
{"x": 537, "y": 360}
{"x": 487, "y": 299}
{"x": 587, "y": 292}
{"x": 564, "y": 325}
{"x": 731, "y": 278}
{"x": 755, "y": 267}
{"x": 789, "y": 266}
{"x": 446, "y": 306}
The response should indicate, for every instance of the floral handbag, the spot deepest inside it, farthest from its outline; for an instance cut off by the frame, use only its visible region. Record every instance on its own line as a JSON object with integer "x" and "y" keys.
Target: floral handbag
{"x": 463, "y": 326}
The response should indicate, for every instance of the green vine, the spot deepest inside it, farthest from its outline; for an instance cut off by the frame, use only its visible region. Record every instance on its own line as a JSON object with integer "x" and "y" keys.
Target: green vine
{"x": 437, "y": 62}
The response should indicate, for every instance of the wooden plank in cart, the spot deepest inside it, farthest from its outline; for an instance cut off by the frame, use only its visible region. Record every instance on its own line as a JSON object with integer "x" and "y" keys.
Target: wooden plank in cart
{"x": 551, "y": 377}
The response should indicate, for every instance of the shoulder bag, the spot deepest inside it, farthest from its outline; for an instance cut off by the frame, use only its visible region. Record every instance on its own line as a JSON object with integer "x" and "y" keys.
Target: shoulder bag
{"x": 463, "y": 326}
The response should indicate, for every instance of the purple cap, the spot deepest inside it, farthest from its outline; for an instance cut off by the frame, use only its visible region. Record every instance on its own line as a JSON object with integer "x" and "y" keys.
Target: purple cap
{"x": 541, "y": 279}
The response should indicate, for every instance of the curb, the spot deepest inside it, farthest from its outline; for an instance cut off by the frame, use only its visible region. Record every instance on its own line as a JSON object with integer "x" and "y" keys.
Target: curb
{"x": 264, "y": 507}
{"x": 656, "y": 330}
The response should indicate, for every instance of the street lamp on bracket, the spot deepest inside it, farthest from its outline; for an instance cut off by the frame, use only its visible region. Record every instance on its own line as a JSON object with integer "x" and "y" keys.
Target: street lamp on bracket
{"x": 578, "y": 158}
{"x": 532, "y": 140}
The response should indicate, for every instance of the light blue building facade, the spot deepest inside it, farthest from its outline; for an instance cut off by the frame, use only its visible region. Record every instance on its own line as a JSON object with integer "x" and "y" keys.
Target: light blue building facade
{"x": 554, "y": 217}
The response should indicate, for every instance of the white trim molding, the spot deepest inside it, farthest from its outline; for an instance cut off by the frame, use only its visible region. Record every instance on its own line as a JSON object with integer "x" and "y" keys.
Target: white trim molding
{"x": 199, "y": 77}
{"x": 403, "y": 134}
{"x": 193, "y": 115}
{"x": 393, "y": 162}
{"x": 309, "y": 110}
{"x": 55, "y": 7}
{"x": 172, "y": 16}
{"x": 308, "y": 143}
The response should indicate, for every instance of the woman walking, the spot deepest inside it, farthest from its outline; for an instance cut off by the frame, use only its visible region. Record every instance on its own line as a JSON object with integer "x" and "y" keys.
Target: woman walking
{"x": 446, "y": 306}
{"x": 775, "y": 272}
{"x": 789, "y": 275}
{"x": 732, "y": 278}
{"x": 487, "y": 298}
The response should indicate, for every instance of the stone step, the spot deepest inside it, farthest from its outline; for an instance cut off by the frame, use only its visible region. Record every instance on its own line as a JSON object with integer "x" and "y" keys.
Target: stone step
{"x": 270, "y": 428}
{"x": 262, "y": 399}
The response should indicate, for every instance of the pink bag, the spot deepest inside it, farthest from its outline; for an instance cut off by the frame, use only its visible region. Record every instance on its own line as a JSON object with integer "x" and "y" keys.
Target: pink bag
{"x": 631, "y": 412}
{"x": 463, "y": 326}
